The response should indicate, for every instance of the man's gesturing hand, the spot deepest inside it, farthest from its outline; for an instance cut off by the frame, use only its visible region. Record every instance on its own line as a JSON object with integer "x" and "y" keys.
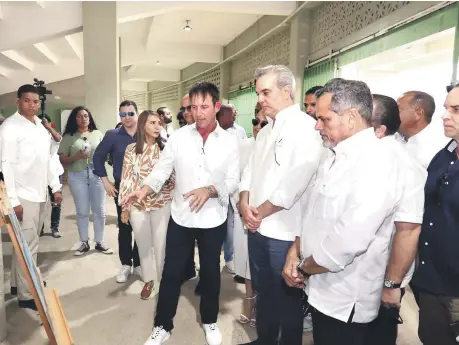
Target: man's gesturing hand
{"x": 198, "y": 198}
{"x": 136, "y": 196}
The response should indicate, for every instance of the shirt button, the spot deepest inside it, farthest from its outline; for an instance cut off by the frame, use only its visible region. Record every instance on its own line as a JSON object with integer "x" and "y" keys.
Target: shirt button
{"x": 431, "y": 224}
{"x": 452, "y": 163}
{"x": 427, "y": 243}
{"x": 422, "y": 262}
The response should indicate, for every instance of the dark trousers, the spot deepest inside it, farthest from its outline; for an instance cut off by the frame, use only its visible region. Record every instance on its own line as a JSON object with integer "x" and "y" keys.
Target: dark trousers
{"x": 129, "y": 255}
{"x": 55, "y": 210}
{"x": 330, "y": 331}
{"x": 180, "y": 242}
{"x": 384, "y": 329}
{"x": 436, "y": 313}
{"x": 279, "y": 307}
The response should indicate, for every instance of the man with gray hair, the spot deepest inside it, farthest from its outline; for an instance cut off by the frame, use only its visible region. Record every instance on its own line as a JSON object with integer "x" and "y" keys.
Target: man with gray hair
{"x": 285, "y": 158}
{"x": 348, "y": 219}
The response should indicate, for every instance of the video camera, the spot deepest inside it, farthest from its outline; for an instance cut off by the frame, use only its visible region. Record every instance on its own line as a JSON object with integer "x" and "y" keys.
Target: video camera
{"x": 42, "y": 92}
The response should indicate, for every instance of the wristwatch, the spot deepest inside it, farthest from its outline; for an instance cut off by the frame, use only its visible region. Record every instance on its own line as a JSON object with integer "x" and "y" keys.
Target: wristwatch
{"x": 210, "y": 190}
{"x": 299, "y": 268}
{"x": 389, "y": 284}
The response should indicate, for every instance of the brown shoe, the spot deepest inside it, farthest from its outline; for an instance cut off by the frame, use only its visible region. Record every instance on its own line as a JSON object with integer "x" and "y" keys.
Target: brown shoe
{"x": 147, "y": 290}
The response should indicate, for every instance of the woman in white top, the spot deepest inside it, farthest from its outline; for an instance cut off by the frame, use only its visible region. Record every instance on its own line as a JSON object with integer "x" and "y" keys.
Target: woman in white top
{"x": 241, "y": 253}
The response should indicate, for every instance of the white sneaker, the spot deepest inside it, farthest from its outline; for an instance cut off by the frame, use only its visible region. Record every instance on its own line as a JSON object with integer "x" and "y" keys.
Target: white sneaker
{"x": 230, "y": 267}
{"x": 158, "y": 336}
{"x": 307, "y": 324}
{"x": 125, "y": 271}
{"x": 213, "y": 335}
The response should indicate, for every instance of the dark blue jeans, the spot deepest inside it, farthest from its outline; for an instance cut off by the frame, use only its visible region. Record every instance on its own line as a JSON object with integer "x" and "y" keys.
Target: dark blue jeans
{"x": 279, "y": 308}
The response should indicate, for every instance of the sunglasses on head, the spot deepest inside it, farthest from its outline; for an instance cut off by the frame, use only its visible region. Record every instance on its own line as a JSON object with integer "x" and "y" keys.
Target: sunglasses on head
{"x": 126, "y": 113}
{"x": 257, "y": 122}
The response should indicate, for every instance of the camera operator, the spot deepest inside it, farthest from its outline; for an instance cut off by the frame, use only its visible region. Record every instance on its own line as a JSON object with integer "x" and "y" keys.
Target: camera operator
{"x": 26, "y": 151}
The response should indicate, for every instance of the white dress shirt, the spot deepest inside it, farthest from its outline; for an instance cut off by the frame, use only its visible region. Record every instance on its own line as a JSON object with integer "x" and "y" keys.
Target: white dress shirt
{"x": 198, "y": 165}
{"x": 411, "y": 206}
{"x": 348, "y": 225}
{"x": 240, "y": 131}
{"x": 285, "y": 158}
{"x": 426, "y": 144}
{"x": 166, "y": 132}
{"x": 26, "y": 151}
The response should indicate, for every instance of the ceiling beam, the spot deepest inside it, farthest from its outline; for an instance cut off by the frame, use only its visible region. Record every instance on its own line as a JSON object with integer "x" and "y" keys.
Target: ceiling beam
{"x": 44, "y": 49}
{"x": 149, "y": 34}
{"x": 152, "y": 73}
{"x": 134, "y": 53}
{"x": 58, "y": 19}
{"x": 19, "y": 59}
{"x": 72, "y": 43}
{"x": 41, "y": 4}
{"x": 135, "y": 10}
{"x": 4, "y": 71}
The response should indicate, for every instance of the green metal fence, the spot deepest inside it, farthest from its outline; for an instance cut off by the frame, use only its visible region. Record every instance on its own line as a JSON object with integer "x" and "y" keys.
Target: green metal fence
{"x": 244, "y": 101}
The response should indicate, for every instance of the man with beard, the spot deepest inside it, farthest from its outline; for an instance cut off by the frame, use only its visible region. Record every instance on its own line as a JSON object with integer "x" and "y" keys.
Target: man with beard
{"x": 166, "y": 122}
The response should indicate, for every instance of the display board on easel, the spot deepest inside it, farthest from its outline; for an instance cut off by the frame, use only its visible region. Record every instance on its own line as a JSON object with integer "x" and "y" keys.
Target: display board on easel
{"x": 46, "y": 300}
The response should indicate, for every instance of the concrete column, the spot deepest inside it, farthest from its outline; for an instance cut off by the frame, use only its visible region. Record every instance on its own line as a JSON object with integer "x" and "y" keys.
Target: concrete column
{"x": 224, "y": 82}
{"x": 300, "y": 38}
{"x": 101, "y": 62}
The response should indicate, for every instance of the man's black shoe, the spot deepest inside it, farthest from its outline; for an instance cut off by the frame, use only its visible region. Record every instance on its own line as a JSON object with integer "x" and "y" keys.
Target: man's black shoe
{"x": 30, "y": 303}
{"x": 14, "y": 291}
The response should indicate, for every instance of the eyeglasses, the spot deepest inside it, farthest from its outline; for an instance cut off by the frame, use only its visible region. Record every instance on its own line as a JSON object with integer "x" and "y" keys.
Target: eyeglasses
{"x": 124, "y": 113}
{"x": 451, "y": 86}
{"x": 256, "y": 122}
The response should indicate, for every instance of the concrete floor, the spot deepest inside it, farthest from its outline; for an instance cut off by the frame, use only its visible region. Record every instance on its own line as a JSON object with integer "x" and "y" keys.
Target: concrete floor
{"x": 102, "y": 312}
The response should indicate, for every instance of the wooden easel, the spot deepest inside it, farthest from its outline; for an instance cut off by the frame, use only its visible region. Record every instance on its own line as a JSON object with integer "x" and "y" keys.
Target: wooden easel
{"x": 46, "y": 300}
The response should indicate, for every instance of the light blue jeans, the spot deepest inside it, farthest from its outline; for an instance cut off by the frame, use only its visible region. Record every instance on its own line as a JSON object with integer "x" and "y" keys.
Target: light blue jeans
{"x": 228, "y": 247}
{"x": 89, "y": 194}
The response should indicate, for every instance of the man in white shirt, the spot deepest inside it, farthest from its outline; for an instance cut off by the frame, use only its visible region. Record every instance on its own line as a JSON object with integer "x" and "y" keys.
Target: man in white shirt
{"x": 240, "y": 131}
{"x": 187, "y": 115}
{"x": 206, "y": 162}
{"x": 423, "y": 138}
{"x": 166, "y": 119}
{"x": 348, "y": 220}
{"x": 27, "y": 150}
{"x": 408, "y": 220}
{"x": 285, "y": 158}
{"x": 226, "y": 121}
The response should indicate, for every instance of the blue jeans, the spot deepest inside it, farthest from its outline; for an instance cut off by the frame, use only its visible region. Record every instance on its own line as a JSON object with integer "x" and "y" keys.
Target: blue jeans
{"x": 279, "y": 308}
{"x": 228, "y": 247}
{"x": 88, "y": 193}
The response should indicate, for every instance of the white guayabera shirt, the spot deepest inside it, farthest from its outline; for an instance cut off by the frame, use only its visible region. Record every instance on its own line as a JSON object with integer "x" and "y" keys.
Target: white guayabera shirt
{"x": 285, "y": 158}
{"x": 348, "y": 226}
{"x": 198, "y": 165}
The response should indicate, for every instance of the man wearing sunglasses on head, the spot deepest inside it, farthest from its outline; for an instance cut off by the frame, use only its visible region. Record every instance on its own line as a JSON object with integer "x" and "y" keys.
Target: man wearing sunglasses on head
{"x": 114, "y": 144}
{"x": 187, "y": 115}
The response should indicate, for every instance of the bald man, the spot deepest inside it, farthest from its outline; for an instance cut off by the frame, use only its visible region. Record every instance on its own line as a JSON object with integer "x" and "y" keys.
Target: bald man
{"x": 186, "y": 105}
{"x": 240, "y": 131}
{"x": 423, "y": 139}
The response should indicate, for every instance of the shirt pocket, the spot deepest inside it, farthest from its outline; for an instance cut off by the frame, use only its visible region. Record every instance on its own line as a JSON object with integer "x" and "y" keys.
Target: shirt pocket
{"x": 326, "y": 205}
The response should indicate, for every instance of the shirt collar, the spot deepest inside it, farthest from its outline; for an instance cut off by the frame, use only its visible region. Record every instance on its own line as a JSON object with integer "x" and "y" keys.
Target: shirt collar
{"x": 353, "y": 145}
{"x": 217, "y": 131}
{"x": 422, "y": 136}
{"x": 452, "y": 145}
{"x": 22, "y": 118}
{"x": 284, "y": 113}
